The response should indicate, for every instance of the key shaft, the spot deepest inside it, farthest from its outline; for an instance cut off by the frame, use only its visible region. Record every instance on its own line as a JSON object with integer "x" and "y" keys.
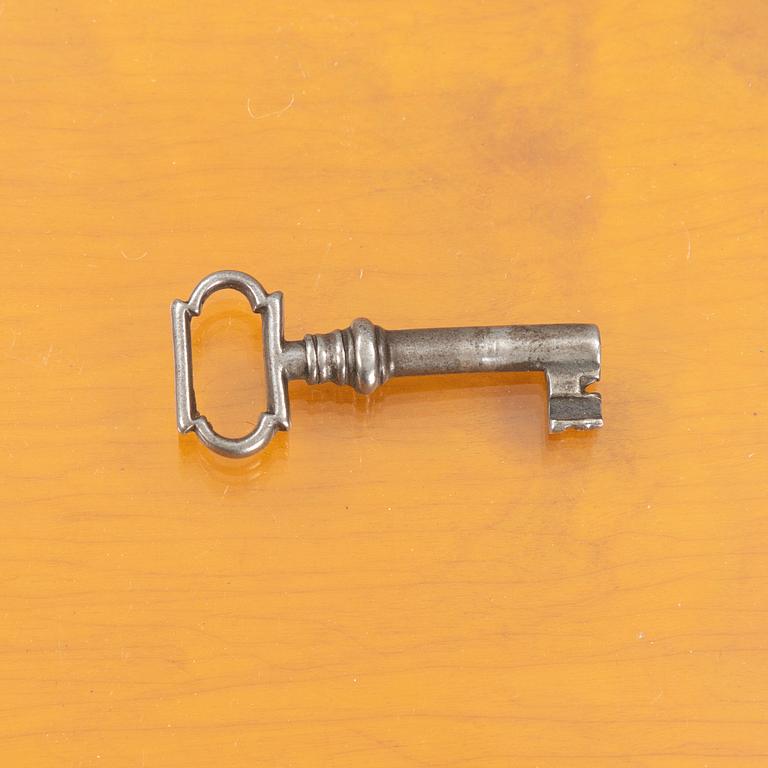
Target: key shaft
{"x": 365, "y": 356}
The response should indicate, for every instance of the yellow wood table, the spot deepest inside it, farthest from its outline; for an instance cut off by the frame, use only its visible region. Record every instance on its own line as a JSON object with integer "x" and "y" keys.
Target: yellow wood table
{"x": 422, "y": 578}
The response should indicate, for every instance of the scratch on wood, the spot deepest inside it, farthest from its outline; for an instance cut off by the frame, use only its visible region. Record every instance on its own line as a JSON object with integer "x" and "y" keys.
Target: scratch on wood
{"x": 133, "y": 258}
{"x": 269, "y": 114}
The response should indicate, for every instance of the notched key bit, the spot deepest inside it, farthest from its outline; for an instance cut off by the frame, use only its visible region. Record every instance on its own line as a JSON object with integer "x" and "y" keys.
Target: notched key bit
{"x": 365, "y": 356}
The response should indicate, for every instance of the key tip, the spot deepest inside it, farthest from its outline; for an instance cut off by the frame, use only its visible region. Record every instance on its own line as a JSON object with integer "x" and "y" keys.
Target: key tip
{"x": 575, "y": 412}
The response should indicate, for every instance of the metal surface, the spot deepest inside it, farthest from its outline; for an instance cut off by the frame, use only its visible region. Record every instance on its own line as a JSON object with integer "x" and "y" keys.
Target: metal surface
{"x": 365, "y": 356}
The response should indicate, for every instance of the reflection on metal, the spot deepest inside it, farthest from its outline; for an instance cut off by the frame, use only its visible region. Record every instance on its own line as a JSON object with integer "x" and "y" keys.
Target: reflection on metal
{"x": 365, "y": 356}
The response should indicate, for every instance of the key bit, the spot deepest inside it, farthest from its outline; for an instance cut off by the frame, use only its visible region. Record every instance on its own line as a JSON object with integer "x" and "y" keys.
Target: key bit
{"x": 365, "y": 356}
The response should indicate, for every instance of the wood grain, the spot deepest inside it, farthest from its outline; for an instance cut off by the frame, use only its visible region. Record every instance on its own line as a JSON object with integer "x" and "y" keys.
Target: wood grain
{"x": 423, "y": 578}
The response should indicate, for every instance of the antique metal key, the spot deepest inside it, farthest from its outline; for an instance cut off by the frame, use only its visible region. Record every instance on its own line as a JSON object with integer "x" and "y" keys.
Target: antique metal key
{"x": 364, "y": 356}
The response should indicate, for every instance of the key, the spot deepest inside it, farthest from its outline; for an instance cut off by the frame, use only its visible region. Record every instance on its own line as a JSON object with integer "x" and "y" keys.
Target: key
{"x": 365, "y": 356}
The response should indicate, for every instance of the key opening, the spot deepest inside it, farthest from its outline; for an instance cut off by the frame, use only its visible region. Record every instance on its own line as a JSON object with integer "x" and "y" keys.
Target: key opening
{"x": 228, "y": 354}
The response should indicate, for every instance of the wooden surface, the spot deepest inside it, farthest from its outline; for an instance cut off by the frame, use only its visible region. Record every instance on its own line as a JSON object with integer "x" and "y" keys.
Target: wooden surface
{"x": 425, "y": 578}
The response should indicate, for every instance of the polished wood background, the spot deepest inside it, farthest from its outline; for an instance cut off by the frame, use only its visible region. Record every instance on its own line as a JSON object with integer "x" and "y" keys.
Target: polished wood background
{"x": 424, "y": 578}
